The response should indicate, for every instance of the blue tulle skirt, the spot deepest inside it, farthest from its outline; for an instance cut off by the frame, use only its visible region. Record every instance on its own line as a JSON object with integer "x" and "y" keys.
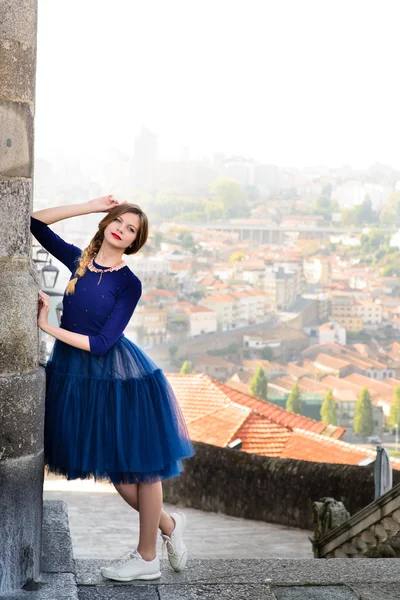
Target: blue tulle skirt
{"x": 112, "y": 417}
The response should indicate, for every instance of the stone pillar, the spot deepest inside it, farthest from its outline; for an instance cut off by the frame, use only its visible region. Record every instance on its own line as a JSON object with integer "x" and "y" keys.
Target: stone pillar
{"x": 22, "y": 381}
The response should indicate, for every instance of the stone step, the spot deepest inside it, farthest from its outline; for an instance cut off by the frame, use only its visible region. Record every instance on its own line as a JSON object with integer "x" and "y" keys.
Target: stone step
{"x": 64, "y": 578}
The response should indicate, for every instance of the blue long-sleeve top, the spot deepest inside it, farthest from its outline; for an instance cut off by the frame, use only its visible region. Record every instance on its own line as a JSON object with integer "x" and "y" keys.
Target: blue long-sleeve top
{"x": 100, "y": 311}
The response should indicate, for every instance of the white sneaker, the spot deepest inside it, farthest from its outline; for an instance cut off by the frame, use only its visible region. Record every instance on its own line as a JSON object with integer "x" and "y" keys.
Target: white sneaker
{"x": 175, "y": 546}
{"x": 134, "y": 568}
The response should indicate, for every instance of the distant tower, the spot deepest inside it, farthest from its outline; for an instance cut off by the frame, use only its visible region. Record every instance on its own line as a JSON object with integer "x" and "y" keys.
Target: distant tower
{"x": 145, "y": 160}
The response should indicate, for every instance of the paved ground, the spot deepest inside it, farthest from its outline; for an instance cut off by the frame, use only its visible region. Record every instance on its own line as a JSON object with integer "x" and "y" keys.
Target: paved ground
{"x": 104, "y": 526}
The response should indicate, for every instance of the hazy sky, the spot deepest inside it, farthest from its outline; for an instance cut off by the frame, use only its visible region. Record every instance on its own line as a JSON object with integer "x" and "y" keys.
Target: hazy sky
{"x": 294, "y": 83}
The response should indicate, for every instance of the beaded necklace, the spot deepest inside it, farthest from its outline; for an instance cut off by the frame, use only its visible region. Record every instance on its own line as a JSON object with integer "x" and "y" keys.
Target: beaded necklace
{"x": 94, "y": 269}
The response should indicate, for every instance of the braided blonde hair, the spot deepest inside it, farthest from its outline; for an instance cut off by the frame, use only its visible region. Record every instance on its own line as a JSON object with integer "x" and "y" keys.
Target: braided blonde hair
{"x": 96, "y": 242}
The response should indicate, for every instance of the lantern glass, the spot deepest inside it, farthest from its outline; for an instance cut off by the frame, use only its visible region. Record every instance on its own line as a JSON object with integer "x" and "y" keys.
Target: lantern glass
{"x": 59, "y": 311}
{"x": 42, "y": 255}
{"x": 49, "y": 276}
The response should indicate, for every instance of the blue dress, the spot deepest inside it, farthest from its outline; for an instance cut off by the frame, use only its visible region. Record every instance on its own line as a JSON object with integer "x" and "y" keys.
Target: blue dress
{"x": 110, "y": 412}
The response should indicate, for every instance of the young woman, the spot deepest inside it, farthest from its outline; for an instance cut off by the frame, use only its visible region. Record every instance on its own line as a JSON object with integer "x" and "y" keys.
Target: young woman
{"x": 110, "y": 411}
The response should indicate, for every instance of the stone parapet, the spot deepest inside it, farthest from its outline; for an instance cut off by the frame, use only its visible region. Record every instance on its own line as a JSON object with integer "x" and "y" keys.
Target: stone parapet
{"x": 276, "y": 490}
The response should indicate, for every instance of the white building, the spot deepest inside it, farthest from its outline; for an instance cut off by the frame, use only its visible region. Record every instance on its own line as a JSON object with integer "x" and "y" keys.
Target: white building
{"x": 148, "y": 268}
{"x": 225, "y": 307}
{"x": 201, "y": 320}
{"x": 370, "y": 312}
{"x": 332, "y": 332}
{"x": 281, "y": 288}
{"x": 352, "y": 193}
{"x": 258, "y": 342}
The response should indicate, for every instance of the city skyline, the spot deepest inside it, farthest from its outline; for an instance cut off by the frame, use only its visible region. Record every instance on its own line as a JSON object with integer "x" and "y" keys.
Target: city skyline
{"x": 284, "y": 83}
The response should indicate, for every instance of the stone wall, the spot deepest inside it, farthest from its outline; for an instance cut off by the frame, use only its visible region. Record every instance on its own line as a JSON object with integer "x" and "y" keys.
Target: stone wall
{"x": 275, "y": 490}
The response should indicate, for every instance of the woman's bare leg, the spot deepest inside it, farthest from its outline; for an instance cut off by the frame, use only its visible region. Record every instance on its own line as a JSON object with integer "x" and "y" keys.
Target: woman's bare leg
{"x": 129, "y": 492}
{"x": 150, "y": 505}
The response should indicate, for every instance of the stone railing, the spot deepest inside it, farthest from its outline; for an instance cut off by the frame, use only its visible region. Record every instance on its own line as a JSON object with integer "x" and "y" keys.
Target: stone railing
{"x": 373, "y": 532}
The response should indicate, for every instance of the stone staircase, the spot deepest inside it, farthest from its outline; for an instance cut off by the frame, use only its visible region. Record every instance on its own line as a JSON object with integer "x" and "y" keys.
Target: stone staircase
{"x": 373, "y": 532}
{"x": 64, "y": 578}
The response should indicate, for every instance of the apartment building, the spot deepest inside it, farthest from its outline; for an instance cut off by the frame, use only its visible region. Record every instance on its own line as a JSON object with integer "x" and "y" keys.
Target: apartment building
{"x": 148, "y": 326}
{"x": 226, "y": 309}
{"x": 317, "y": 269}
{"x": 281, "y": 288}
{"x": 201, "y": 319}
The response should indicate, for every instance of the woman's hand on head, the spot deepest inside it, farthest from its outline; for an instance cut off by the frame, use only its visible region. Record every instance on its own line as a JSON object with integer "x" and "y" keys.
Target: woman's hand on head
{"x": 104, "y": 204}
{"x": 43, "y": 310}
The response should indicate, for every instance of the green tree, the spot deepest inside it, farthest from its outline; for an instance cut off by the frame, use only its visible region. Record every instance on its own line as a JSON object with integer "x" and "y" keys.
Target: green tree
{"x": 186, "y": 239}
{"x": 324, "y": 206}
{"x": 230, "y": 194}
{"x": 394, "y": 414}
{"x": 328, "y": 409}
{"x": 213, "y": 210}
{"x": 186, "y": 368}
{"x": 362, "y": 213}
{"x": 267, "y": 353}
{"x": 363, "y": 419}
{"x": 258, "y": 384}
{"x": 236, "y": 257}
{"x": 157, "y": 240}
{"x": 239, "y": 255}
{"x": 391, "y": 270}
{"x": 373, "y": 240}
{"x": 293, "y": 403}
{"x": 390, "y": 214}
{"x": 173, "y": 350}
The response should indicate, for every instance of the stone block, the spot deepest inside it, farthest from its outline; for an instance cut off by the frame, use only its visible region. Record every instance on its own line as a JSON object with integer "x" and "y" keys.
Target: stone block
{"x": 17, "y": 70}
{"x": 125, "y": 592}
{"x": 18, "y": 21}
{"x": 215, "y": 592}
{"x": 48, "y": 587}
{"x": 16, "y": 208}
{"x": 55, "y": 516}
{"x": 22, "y": 414}
{"x": 16, "y": 139}
{"x": 57, "y": 554}
{"x": 377, "y": 591}
{"x": 19, "y": 335}
{"x": 21, "y": 487}
{"x": 329, "y": 592}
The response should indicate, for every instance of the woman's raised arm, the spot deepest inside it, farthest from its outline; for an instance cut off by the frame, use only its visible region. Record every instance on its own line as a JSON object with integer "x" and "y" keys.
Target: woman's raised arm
{"x": 59, "y": 213}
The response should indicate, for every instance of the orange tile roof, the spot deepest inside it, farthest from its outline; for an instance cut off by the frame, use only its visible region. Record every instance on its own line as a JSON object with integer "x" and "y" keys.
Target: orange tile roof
{"x": 198, "y": 309}
{"x": 261, "y": 436}
{"x": 221, "y": 298}
{"x": 297, "y": 371}
{"x": 207, "y": 280}
{"x": 206, "y": 359}
{"x": 165, "y": 293}
{"x": 179, "y": 266}
{"x": 273, "y": 412}
{"x": 303, "y": 445}
{"x": 362, "y": 380}
{"x": 217, "y": 414}
{"x": 239, "y": 386}
{"x": 220, "y": 426}
{"x": 330, "y": 362}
